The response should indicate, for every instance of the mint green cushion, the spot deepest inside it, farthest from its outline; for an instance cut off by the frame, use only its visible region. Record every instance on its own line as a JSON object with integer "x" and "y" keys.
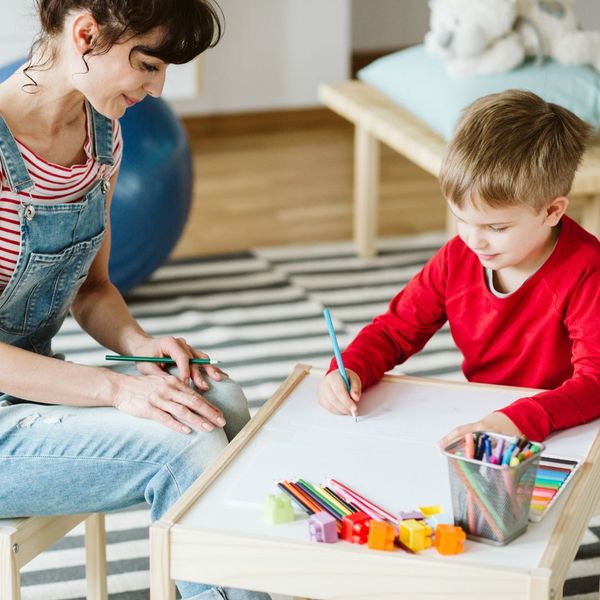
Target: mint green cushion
{"x": 419, "y": 83}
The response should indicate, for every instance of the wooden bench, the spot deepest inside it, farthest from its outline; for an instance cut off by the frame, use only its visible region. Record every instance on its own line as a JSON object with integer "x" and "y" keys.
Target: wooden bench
{"x": 377, "y": 119}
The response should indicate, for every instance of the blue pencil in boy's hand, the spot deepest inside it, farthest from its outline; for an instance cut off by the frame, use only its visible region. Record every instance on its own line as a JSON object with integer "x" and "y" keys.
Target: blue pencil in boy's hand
{"x": 338, "y": 355}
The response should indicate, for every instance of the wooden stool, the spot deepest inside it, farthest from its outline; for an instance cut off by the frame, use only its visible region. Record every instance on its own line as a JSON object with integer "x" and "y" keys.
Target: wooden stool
{"x": 23, "y": 539}
{"x": 377, "y": 119}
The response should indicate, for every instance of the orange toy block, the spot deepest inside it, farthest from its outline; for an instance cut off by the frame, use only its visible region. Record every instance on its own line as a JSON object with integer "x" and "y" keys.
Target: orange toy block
{"x": 449, "y": 539}
{"x": 415, "y": 534}
{"x": 381, "y": 536}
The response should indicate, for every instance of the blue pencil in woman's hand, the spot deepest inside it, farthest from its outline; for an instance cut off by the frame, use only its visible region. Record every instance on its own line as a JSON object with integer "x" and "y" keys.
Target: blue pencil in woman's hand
{"x": 337, "y": 354}
{"x": 159, "y": 359}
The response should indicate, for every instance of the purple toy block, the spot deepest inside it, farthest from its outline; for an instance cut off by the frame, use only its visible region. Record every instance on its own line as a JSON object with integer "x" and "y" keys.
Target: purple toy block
{"x": 411, "y": 514}
{"x": 322, "y": 527}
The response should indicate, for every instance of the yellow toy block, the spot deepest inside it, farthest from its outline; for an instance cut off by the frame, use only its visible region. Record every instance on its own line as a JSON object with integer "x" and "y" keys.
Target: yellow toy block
{"x": 381, "y": 536}
{"x": 429, "y": 511}
{"x": 415, "y": 534}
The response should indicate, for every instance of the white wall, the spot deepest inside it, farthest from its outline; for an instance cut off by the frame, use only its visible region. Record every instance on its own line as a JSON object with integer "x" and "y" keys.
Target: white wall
{"x": 388, "y": 24}
{"x": 382, "y": 24}
{"x": 274, "y": 54}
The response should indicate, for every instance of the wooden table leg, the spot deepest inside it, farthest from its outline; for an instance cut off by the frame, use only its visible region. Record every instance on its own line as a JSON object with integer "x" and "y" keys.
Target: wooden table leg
{"x": 162, "y": 587}
{"x": 95, "y": 557}
{"x": 366, "y": 191}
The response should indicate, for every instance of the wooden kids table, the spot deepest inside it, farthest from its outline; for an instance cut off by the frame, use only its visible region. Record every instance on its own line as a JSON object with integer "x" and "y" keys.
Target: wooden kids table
{"x": 216, "y": 533}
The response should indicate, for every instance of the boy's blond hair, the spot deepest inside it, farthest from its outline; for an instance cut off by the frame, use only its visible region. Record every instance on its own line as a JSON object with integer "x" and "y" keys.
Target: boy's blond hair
{"x": 513, "y": 148}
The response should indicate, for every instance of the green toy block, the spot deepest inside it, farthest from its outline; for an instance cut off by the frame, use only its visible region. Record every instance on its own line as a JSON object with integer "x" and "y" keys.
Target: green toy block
{"x": 278, "y": 509}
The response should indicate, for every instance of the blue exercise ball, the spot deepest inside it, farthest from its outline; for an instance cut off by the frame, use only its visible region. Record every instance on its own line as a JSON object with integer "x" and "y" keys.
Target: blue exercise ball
{"x": 151, "y": 202}
{"x": 152, "y": 199}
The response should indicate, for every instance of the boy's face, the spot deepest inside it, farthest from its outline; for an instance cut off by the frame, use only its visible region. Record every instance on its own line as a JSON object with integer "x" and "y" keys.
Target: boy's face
{"x": 513, "y": 237}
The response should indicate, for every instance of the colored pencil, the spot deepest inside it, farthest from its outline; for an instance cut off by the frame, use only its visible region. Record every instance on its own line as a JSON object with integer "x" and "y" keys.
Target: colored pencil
{"x": 159, "y": 359}
{"x": 343, "y": 509}
{"x": 338, "y": 355}
{"x": 384, "y": 514}
{"x": 493, "y": 519}
{"x": 318, "y": 501}
{"x": 345, "y": 504}
{"x": 295, "y": 498}
{"x": 360, "y": 507}
{"x": 323, "y": 497}
{"x": 302, "y": 497}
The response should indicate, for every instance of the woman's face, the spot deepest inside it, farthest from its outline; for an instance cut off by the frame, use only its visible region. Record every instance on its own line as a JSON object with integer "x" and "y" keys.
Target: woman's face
{"x": 121, "y": 78}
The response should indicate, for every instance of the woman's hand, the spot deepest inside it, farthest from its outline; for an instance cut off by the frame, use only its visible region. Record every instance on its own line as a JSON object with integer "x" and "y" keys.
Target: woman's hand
{"x": 166, "y": 399}
{"x": 495, "y": 422}
{"x": 181, "y": 352}
{"x": 333, "y": 395}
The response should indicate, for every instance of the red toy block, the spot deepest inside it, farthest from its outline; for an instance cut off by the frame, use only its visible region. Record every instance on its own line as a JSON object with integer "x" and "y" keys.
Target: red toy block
{"x": 355, "y": 528}
{"x": 381, "y": 536}
{"x": 449, "y": 539}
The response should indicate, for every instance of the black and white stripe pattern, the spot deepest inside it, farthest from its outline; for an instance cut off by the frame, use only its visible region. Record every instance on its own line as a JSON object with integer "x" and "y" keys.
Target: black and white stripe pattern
{"x": 260, "y": 313}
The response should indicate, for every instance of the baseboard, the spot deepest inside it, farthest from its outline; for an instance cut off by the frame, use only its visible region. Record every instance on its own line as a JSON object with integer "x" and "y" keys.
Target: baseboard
{"x": 261, "y": 122}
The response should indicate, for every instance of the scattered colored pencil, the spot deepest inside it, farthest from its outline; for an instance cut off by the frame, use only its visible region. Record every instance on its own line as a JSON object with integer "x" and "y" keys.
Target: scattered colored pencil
{"x": 159, "y": 359}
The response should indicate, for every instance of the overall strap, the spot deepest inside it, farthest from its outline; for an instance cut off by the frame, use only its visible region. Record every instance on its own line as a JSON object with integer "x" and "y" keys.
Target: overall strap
{"x": 13, "y": 164}
{"x": 102, "y": 136}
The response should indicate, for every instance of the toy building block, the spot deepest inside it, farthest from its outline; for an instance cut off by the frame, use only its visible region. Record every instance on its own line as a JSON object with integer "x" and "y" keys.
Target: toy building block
{"x": 428, "y": 511}
{"x": 415, "y": 534}
{"x": 440, "y": 519}
{"x": 411, "y": 514}
{"x": 381, "y": 536}
{"x": 322, "y": 527}
{"x": 449, "y": 539}
{"x": 278, "y": 509}
{"x": 355, "y": 528}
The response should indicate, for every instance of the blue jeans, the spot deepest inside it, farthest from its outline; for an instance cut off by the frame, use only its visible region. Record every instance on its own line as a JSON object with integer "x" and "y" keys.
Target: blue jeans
{"x": 57, "y": 459}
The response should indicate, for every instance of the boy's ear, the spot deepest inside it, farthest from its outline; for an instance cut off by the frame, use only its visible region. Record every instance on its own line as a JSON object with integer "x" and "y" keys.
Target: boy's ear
{"x": 555, "y": 210}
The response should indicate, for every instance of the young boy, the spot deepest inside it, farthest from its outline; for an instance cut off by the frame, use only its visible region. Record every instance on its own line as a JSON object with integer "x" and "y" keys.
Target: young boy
{"x": 519, "y": 285}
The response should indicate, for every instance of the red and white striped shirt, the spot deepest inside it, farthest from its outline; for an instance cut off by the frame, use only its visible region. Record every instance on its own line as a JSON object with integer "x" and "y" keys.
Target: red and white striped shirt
{"x": 53, "y": 184}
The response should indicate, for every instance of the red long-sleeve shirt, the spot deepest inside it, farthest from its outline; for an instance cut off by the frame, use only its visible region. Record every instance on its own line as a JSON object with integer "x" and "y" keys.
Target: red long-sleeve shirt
{"x": 544, "y": 335}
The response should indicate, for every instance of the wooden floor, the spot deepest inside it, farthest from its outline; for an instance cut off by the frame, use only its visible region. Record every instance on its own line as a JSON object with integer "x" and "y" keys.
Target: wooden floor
{"x": 287, "y": 179}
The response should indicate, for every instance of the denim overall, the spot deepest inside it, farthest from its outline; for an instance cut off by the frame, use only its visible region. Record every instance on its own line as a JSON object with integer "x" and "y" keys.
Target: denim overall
{"x": 58, "y": 244}
{"x": 57, "y": 459}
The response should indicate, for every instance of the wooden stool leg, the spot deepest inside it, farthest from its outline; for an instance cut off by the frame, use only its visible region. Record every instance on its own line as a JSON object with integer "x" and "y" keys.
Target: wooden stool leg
{"x": 10, "y": 585}
{"x": 366, "y": 191}
{"x": 590, "y": 217}
{"x": 95, "y": 557}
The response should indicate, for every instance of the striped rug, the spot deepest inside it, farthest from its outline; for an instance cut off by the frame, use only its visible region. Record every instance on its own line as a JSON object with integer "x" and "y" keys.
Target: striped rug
{"x": 260, "y": 313}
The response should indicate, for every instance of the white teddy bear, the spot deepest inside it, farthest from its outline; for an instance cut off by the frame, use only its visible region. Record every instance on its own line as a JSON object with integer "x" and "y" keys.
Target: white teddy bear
{"x": 480, "y": 37}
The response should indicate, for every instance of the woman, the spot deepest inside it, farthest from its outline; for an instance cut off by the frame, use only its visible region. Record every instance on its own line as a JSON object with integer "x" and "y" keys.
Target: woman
{"x": 77, "y": 439}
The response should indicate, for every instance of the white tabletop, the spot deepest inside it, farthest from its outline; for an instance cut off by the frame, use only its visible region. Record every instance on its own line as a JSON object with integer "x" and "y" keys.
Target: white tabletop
{"x": 390, "y": 456}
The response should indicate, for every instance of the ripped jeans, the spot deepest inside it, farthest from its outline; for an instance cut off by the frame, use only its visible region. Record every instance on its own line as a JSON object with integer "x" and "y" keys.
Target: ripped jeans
{"x": 57, "y": 459}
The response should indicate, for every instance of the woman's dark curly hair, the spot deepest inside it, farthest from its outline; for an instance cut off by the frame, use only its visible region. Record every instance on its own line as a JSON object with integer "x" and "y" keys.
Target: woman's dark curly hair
{"x": 189, "y": 26}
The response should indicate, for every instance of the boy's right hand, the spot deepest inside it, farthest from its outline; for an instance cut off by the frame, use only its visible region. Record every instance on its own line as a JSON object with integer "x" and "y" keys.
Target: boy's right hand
{"x": 333, "y": 395}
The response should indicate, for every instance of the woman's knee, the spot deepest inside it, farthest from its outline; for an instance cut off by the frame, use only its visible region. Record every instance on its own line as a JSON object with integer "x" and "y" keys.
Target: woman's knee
{"x": 229, "y": 397}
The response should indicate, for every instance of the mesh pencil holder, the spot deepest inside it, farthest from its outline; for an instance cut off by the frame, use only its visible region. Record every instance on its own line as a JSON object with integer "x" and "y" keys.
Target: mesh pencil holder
{"x": 490, "y": 502}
